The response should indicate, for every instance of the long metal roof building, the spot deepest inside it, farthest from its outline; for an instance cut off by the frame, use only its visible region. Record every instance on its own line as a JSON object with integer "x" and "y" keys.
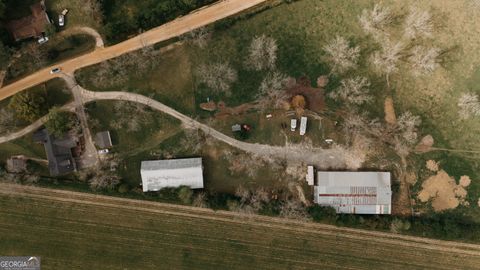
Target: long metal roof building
{"x": 354, "y": 192}
{"x": 158, "y": 174}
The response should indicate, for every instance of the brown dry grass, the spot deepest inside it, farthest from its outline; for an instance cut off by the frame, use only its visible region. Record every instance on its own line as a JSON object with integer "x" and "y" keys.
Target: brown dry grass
{"x": 390, "y": 116}
{"x": 443, "y": 192}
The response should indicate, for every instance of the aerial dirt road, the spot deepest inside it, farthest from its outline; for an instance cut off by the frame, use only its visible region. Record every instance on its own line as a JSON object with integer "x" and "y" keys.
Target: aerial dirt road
{"x": 216, "y": 239}
{"x": 177, "y": 27}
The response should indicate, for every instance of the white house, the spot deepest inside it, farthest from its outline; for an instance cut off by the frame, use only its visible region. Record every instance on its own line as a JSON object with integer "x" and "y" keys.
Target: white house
{"x": 158, "y": 174}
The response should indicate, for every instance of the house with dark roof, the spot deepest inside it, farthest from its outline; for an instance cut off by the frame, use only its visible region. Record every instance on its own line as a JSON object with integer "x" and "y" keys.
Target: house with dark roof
{"x": 59, "y": 152}
{"x": 32, "y": 26}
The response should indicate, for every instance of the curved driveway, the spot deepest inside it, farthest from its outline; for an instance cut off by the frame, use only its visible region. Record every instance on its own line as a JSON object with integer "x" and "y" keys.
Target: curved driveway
{"x": 177, "y": 27}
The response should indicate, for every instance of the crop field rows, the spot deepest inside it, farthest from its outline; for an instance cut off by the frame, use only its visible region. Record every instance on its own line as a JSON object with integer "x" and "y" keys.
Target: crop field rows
{"x": 87, "y": 231}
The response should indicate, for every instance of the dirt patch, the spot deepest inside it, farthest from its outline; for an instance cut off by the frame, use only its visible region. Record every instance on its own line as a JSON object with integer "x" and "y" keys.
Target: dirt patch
{"x": 432, "y": 165}
{"x": 443, "y": 192}
{"x": 208, "y": 106}
{"x": 314, "y": 96}
{"x": 390, "y": 116}
{"x": 425, "y": 145}
{"x": 224, "y": 110}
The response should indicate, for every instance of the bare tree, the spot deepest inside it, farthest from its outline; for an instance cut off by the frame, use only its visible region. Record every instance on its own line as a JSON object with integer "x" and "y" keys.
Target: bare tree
{"x": 294, "y": 209}
{"x": 218, "y": 76}
{"x": 7, "y": 120}
{"x": 424, "y": 60}
{"x": 386, "y": 60}
{"x": 104, "y": 181}
{"x": 262, "y": 53}
{"x": 407, "y": 126}
{"x": 469, "y": 105}
{"x": 198, "y": 37}
{"x": 341, "y": 54}
{"x": 271, "y": 91}
{"x": 353, "y": 91}
{"x": 375, "y": 21}
{"x": 418, "y": 24}
{"x": 200, "y": 200}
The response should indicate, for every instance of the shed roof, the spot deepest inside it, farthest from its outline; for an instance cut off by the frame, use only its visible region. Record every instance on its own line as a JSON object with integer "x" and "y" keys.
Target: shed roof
{"x": 158, "y": 174}
{"x": 354, "y": 192}
{"x": 103, "y": 139}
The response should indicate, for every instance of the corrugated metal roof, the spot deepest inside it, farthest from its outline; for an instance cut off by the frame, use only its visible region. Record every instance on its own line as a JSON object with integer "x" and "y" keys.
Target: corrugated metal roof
{"x": 354, "y": 192}
{"x": 158, "y": 174}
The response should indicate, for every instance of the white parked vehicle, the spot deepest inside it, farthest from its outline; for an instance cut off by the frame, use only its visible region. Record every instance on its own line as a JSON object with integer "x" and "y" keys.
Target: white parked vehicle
{"x": 303, "y": 125}
{"x": 293, "y": 124}
{"x": 42, "y": 40}
{"x": 55, "y": 70}
{"x": 61, "y": 20}
{"x": 103, "y": 151}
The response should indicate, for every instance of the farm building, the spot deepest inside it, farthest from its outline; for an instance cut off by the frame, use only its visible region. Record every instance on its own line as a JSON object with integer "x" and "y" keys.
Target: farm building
{"x": 354, "y": 192}
{"x": 32, "y": 26}
{"x": 158, "y": 174}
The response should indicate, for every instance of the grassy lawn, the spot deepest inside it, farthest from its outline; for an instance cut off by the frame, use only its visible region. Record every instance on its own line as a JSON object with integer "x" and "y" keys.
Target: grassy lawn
{"x": 22, "y": 146}
{"x": 55, "y": 93}
{"x": 169, "y": 80}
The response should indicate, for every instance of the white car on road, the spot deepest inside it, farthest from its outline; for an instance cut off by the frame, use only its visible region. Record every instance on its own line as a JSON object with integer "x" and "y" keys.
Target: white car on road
{"x": 55, "y": 70}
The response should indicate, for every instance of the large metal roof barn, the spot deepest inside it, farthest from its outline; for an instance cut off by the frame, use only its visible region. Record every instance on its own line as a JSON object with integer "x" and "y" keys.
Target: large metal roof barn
{"x": 158, "y": 174}
{"x": 354, "y": 192}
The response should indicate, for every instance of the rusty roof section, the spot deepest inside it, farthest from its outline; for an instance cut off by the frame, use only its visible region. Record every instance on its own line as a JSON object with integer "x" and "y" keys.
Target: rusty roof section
{"x": 32, "y": 25}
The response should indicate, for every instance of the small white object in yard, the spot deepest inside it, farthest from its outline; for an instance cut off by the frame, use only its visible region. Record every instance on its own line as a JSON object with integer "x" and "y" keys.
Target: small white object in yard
{"x": 329, "y": 141}
{"x": 331, "y": 157}
{"x": 64, "y": 12}
{"x": 103, "y": 151}
{"x": 293, "y": 124}
{"x": 269, "y": 116}
{"x": 42, "y": 40}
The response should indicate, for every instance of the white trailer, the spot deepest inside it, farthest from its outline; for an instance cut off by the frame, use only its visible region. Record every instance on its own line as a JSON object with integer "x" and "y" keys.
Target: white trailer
{"x": 310, "y": 176}
{"x": 303, "y": 125}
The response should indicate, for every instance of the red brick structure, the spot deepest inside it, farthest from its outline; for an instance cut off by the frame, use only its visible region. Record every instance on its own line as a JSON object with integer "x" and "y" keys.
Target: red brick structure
{"x": 32, "y": 26}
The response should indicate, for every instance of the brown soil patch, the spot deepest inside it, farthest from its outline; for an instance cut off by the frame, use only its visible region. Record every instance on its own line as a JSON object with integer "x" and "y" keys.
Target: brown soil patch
{"x": 390, "y": 116}
{"x": 208, "y": 106}
{"x": 314, "y": 97}
{"x": 425, "y": 144}
{"x": 224, "y": 110}
{"x": 465, "y": 181}
{"x": 432, "y": 165}
{"x": 443, "y": 191}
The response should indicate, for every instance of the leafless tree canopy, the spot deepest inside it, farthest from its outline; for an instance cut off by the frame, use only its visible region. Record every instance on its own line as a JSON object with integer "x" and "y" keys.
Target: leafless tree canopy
{"x": 375, "y": 21}
{"x": 418, "y": 24}
{"x": 271, "y": 91}
{"x": 469, "y": 105}
{"x": 424, "y": 60}
{"x": 294, "y": 209}
{"x": 130, "y": 116}
{"x": 198, "y": 37}
{"x": 386, "y": 61}
{"x": 353, "y": 91}
{"x": 262, "y": 53}
{"x": 407, "y": 126}
{"x": 341, "y": 54}
{"x": 218, "y": 76}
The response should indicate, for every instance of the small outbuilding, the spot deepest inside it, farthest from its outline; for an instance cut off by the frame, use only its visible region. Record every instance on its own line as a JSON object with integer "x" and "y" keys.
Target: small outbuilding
{"x": 158, "y": 174}
{"x": 16, "y": 164}
{"x": 103, "y": 139}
